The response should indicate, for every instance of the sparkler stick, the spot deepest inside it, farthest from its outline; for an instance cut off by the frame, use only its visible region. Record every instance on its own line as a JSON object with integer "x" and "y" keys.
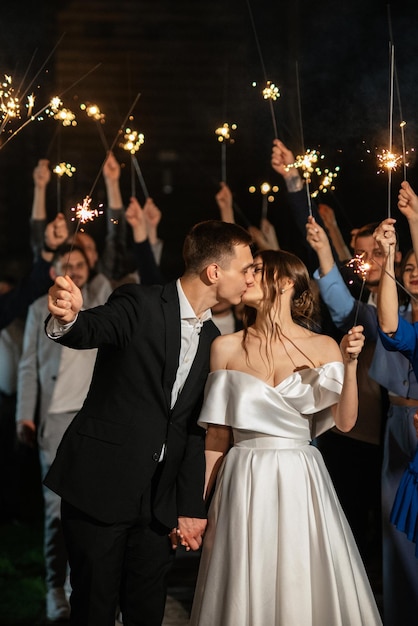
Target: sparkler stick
{"x": 120, "y": 131}
{"x": 398, "y": 93}
{"x": 94, "y": 112}
{"x": 269, "y": 97}
{"x": 308, "y": 193}
{"x": 140, "y": 176}
{"x": 83, "y": 211}
{"x": 224, "y": 136}
{"x": 392, "y": 69}
{"x": 133, "y": 142}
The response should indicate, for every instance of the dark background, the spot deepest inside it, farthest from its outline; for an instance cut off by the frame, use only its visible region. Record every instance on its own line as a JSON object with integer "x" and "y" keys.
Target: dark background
{"x": 194, "y": 63}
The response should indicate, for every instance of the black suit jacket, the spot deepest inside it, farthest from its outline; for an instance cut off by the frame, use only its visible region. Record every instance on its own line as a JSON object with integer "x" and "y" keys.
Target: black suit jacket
{"x": 110, "y": 451}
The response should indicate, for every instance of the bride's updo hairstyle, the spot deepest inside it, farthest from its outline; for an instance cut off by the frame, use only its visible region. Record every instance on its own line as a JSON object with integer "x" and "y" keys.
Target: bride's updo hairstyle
{"x": 279, "y": 264}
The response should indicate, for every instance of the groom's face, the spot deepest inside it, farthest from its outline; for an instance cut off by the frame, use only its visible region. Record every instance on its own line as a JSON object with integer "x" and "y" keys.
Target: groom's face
{"x": 236, "y": 276}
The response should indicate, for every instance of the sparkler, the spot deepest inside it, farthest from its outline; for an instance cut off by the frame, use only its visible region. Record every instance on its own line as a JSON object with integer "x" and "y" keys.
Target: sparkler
{"x": 132, "y": 143}
{"x": 94, "y": 113}
{"x": 44, "y": 108}
{"x": 224, "y": 137}
{"x": 270, "y": 92}
{"x": 326, "y": 181}
{"x": 60, "y": 170}
{"x": 267, "y": 196}
{"x": 360, "y": 267}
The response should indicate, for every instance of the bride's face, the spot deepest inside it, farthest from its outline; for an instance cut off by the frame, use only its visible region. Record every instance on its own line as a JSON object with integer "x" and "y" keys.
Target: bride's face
{"x": 255, "y": 293}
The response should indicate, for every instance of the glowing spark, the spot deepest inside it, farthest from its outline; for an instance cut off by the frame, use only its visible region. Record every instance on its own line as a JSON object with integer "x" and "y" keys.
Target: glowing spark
{"x": 9, "y": 104}
{"x": 66, "y": 117}
{"x": 54, "y": 106}
{"x": 306, "y": 162}
{"x": 93, "y": 111}
{"x": 271, "y": 92}
{"x": 132, "y": 141}
{"x": 388, "y": 160}
{"x": 224, "y": 132}
{"x": 83, "y": 212}
{"x": 64, "y": 168}
{"x": 325, "y": 181}
{"x": 359, "y": 266}
{"x": 30, "y": 104}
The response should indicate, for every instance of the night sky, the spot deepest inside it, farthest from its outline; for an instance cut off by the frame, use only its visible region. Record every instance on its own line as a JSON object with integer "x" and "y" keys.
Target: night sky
{"x": 194, "y": 64}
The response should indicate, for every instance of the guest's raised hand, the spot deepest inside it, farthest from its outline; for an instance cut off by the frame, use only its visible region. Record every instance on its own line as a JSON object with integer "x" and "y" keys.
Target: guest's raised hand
{"x": 385, "y": 235}
{"x": 408, "y": 202}
{"x": 41, "y": 174}
{"x": 135, "y": 217}
{"x": 56, "y": 232}
{"x": 316, "y": 236}
{"x": 111, "y": 168}
{"x": 281, "y": 158}
{"x": 225, "y": 203}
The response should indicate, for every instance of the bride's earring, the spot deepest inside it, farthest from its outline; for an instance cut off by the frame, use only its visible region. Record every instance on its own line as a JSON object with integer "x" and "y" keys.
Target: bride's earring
{"x": 282, "y": 290}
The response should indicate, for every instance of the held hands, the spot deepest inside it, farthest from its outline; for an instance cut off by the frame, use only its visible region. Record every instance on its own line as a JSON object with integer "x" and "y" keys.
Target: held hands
{"x": 26, "y": 432}
{"x": 189, "y": 533}
{"x": 385, "y": 236}
{"x": 64, "y": 300}
{"x": 352, "y": 344}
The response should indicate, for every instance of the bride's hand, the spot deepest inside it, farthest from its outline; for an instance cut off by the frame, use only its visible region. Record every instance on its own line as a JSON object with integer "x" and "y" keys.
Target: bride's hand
{"x": 352, "y": 344}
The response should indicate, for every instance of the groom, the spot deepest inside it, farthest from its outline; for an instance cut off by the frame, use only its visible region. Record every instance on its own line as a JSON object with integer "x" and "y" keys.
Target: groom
{"x": 131, "y": 465}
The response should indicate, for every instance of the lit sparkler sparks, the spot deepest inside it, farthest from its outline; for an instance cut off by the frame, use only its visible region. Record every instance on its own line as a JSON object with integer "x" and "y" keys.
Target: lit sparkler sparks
{"x": 267, "y": 192}
{"x": 326, "y": 181}
{"x": 224, "y": 132}
{"x": 359, "y": 266}
{"x": 30, "y": 104}
{"x": 9, "y": 104}
{"x": 132, "y": 141}
{"x": 306, "y": 162}
{"x": 56, "y": 110}
{"x": 224, "y": 137}
{"x": 362, "y": 268}
{"x": 64, "y": 168}
{"x": 94, "y": 112}
{"x": 83, "y": 212}
{"x": 388, "y": 160}
{"x": 270, "y": 91}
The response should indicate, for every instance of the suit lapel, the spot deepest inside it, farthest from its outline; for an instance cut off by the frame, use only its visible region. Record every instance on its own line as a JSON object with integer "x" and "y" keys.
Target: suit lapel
{"x": 201, "y": 361}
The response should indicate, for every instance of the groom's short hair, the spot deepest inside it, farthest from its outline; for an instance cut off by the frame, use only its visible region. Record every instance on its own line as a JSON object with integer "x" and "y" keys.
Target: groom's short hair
{"x": 212, "y": 241}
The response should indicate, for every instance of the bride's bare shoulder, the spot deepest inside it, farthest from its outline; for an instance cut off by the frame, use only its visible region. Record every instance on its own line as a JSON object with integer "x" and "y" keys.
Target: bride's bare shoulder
{"x": 223, "y": 348}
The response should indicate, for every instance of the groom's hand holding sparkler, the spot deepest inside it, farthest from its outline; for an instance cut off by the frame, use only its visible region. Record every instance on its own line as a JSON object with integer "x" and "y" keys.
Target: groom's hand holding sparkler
{"x": 64, "y": 300}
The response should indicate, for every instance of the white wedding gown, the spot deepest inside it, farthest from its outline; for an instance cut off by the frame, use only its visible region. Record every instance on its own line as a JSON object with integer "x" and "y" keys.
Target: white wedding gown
{"x": 278, "y": 550}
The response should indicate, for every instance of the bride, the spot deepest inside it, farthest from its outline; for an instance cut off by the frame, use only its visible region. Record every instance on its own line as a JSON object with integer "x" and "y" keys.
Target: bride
{"x": 278, "y": 550}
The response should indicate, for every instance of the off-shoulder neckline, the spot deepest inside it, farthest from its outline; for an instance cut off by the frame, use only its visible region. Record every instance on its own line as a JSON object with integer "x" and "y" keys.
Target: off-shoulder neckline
{"x": 275, "y": 387}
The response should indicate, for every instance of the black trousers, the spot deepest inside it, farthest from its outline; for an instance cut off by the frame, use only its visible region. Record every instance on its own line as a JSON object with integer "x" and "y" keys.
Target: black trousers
{"x": 124, "y": 563}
